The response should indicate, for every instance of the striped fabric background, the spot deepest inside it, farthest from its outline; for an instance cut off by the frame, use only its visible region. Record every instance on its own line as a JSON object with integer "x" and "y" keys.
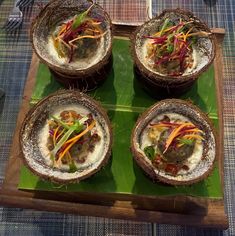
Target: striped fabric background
{"x": 15, "y": 56}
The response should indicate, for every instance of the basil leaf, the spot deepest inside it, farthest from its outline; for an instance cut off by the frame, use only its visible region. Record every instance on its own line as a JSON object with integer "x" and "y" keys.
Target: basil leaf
{"x": 170, "y": 48}
{"x": 164, "y": 26}
{"x": 193, "y": 40}
{"x": 186, "y": 141}
{"x": 149, "y": 152}
{"x": 72, "y": 167}
{"x": 79, "y": 19}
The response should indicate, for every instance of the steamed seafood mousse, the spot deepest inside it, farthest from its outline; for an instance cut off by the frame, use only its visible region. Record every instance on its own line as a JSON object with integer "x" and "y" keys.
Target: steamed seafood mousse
{"x": 71, "y": 140}
{"x": 66, "y": 137}
{"x": 173, "y": 144}
{"x": 78, "y": 41}
{"x": 174, "y": 48}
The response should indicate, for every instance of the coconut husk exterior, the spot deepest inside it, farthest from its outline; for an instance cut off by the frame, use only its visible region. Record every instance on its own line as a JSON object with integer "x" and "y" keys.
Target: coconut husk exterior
{"x": 87, "y": 82}
{"x": 200, "y": 119}
{"x": 68, "y": 76}
{"x": 168, "y": 85}
{"x": 164, "y": 89}
{"x": 36, "y": 118}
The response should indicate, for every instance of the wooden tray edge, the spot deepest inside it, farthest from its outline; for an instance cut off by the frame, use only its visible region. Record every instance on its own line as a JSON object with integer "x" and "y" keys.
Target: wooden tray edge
{"x": 215, "y": 221}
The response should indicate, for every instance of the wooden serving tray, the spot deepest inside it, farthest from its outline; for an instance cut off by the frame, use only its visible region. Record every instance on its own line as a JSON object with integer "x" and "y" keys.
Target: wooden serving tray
{"x": 181, "y": 210}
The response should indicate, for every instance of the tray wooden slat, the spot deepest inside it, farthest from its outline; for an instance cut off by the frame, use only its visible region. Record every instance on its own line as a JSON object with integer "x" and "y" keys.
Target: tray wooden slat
{"x": 181, "y": 210}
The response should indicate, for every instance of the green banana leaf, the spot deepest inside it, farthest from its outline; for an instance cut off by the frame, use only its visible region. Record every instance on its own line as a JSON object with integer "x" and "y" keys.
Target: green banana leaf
{"x": 125, "y": 100}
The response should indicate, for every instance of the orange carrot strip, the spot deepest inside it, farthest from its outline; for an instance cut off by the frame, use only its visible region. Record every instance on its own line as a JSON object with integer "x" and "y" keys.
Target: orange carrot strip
{"x": 73, "y": 140}
{"x": 175, "y": 133}
{"x": 82, "y": 133}
{"x": 87, "y": 36}
{"x": 65, "y": 151}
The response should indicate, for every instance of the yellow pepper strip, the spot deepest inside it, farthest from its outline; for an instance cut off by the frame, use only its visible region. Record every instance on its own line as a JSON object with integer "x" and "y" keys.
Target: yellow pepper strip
{"x": 93, "y": 22}
{"x": 192, "y": 131}
{"x": 184, "y": 37}
{"x": 93, "y": 30}
{"x": 196, "y": 136}
{"x": 60, "y": 134}
{"x": 59, "y": 161}
{"x": 87, "y": 36}
{"x": 175, "y": 133}
{"x": 54, "y": 135}
{"x": 188, "y": 33}
{"x": 151, "y": 55}
{"x": 62, "y": 41}
{"x": 62, "y": 29}
{"x": 164, "y": 125}
{"x": 200, "y": 33}
{"x": 73, "y": 140}
{"x": 180, "y": 145}
{"x": 164, "y": 31}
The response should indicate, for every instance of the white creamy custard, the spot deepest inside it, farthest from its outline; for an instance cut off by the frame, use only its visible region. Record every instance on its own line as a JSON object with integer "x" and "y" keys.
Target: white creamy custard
{"x": 191, "y": 162}
{"x": 92, "y": 158}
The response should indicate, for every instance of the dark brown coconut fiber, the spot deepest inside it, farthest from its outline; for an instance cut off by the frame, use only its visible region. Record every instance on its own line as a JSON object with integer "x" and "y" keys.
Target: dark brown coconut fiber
{"x": 169, "y": 84}
{"x": 36, "y": 118}
{"x": 87, "y": 82}
{"x": 200, "y": 119}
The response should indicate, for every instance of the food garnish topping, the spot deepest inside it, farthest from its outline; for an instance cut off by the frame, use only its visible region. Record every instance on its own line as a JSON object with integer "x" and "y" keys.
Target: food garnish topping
{"x": 170, "y": 49}
{"x": 172, "y": 142}
{"x": 70, "y": 35}
{"x": 71, "y": 137}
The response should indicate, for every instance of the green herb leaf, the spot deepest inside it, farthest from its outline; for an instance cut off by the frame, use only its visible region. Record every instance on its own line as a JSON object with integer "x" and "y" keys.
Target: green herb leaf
{"x": 79, "y": 126}
{"x": 79, "y": 19}
{"x": 170, "y": 48}
{"x": 149, "y": 152}
{"x": 186, "y": 141}
{"x": 60, "y": 122}
{"x": 164, "y": 26}
{"x": 72, "y": 167}
{"x": 63, "y": 140}
{"x": 193, "y": 40}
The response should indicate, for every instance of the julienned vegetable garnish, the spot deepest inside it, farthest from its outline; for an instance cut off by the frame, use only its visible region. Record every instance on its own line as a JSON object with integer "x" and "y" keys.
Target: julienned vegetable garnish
{"x": 170, "y": 50}
{"x": 78, "y": 35}
{"x": 172, "y": 143}
{"x": 71, "y": 137}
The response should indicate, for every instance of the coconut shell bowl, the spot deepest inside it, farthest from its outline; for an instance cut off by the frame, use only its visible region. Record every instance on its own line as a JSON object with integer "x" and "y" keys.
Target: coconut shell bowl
{"x": 66, "y": 137}
{"x": 174, "y": 142}
{"x": 171, "y": 51}
{"x": 74, "y": 39}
